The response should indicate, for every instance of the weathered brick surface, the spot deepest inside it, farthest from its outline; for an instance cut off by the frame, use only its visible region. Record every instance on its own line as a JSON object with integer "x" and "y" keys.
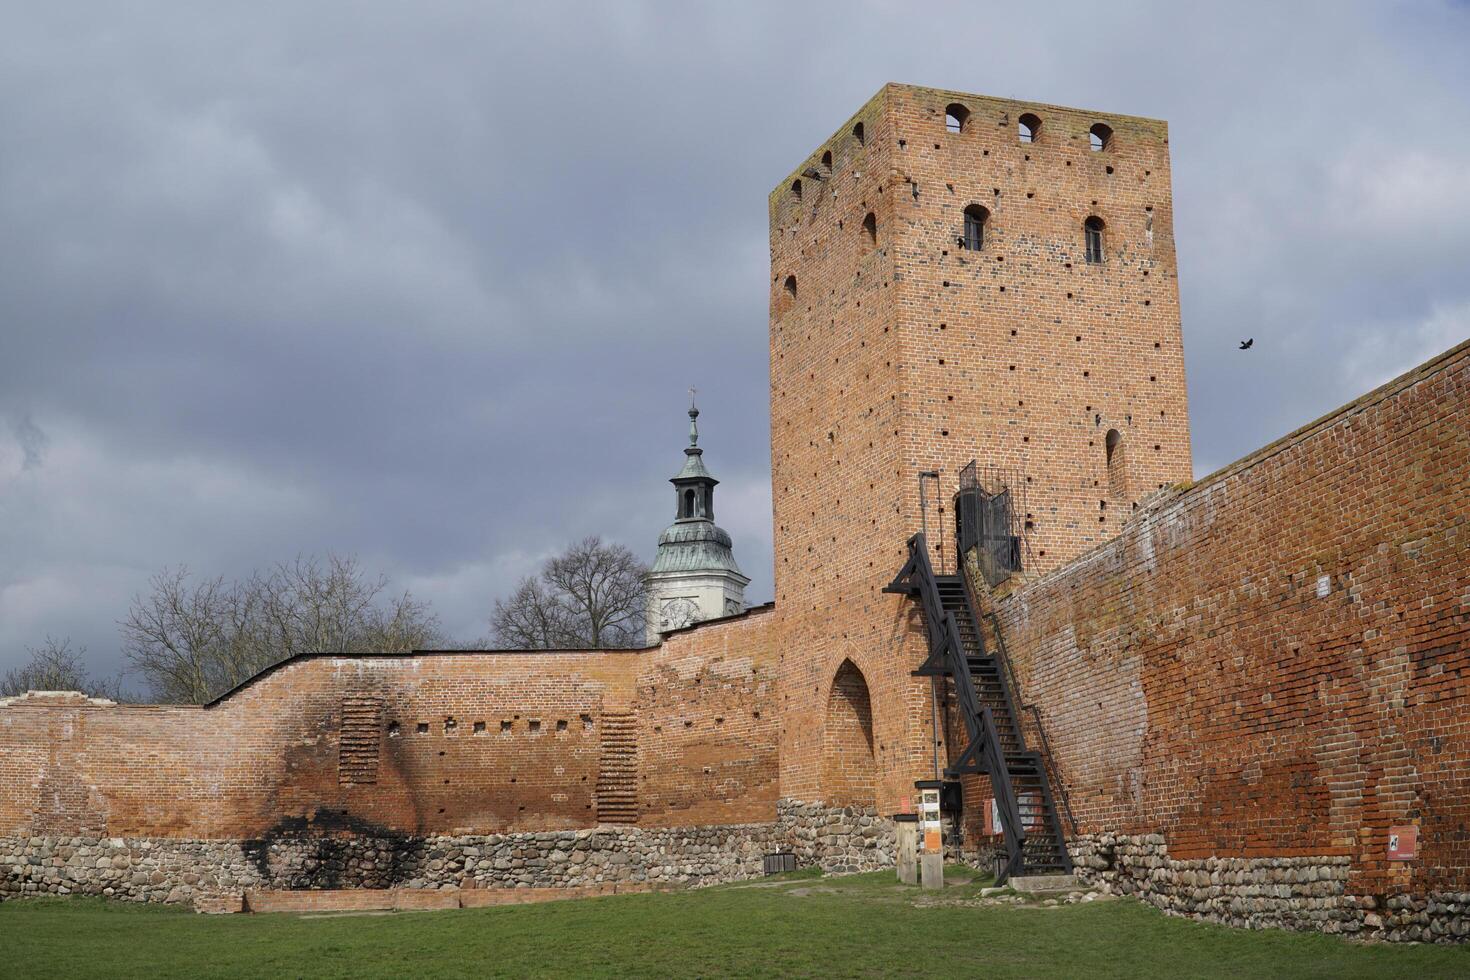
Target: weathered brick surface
{"x": 708, "y": 725}
{"x": 1197, "y": 683}
{"x": 900, "y": 352}
{"x": 466, "y": 743}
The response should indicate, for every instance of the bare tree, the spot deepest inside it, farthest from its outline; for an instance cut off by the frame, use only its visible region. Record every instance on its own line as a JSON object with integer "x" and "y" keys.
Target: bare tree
{"x": 194, "y": 640}
{"x": 533, "y": 618}
{"x": 311, "y": 605}
{"x": 55, "y": 666}
{"x": 591, "y": 597}
{"x": 187, "y": 640}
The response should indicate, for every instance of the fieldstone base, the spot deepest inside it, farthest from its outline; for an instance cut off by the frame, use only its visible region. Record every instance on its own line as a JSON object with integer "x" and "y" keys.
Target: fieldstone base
{"x": 213, "y": 874}
{"x": 839, "y": 840}
{"x": 1301, "y": 893}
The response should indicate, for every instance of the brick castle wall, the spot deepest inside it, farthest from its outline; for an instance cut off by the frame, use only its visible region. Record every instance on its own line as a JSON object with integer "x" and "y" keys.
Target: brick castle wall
{"x": 428, "y": 743}
{"x": 707, "y": 725}
{"x": 1273, "y": 663}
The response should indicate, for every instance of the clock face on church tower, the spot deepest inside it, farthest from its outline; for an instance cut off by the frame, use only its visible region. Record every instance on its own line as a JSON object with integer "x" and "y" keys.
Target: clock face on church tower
{"x": 678, "y": 613}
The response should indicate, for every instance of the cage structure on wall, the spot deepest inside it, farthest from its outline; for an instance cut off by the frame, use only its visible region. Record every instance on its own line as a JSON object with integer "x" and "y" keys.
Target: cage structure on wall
{"x": 988, "y": 517}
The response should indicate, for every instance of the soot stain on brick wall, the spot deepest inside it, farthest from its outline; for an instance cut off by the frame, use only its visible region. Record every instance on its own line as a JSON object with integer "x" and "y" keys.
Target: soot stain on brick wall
{"x": 333, "y": 840}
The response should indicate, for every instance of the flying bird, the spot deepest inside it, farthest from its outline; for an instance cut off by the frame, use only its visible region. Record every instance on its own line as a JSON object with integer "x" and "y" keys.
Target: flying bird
{"x": 1246, "y": 344}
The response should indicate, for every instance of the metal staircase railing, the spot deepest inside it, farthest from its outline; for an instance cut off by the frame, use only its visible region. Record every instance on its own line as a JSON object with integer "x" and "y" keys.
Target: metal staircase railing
{"x": 1052, "y": 769}
{"x": 947, "y": 657}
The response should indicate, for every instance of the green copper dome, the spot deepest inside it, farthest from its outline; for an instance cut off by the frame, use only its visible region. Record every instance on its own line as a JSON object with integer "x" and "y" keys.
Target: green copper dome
{"x": 695, "y": 546}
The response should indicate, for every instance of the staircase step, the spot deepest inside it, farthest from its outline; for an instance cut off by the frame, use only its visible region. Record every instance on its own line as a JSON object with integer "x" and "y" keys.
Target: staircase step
{"x": 1043, "y": 884}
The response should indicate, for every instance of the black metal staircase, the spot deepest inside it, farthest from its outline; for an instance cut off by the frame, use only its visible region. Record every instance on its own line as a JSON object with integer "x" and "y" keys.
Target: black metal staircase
{"x": 1032, "y": 829}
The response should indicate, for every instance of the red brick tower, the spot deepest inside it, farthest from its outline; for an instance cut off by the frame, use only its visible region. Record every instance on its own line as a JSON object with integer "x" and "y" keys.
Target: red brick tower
{"x": 953, "y": 277}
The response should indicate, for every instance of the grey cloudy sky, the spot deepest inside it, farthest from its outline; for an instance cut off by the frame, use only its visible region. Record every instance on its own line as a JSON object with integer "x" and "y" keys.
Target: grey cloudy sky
{"x": 426, "y": 282}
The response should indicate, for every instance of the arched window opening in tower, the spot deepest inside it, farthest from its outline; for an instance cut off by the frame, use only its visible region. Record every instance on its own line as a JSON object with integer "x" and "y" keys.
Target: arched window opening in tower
{"x": 796, "y": 189}
{"x": 827, "y": 162}
{"x": 870, "y": 228}
{"x": 1029, "y": 128}
{"x": 1092, "y": 230}
{"x": 975, "y": 219}
{"x": 1100, "y": 136}
{"x": 791, "y": 286}
{"x": 688, "y": 508}
{"x": 1116, "y": 460}
{"x": 955, "y": 116}
{"x": 857, "y": 134}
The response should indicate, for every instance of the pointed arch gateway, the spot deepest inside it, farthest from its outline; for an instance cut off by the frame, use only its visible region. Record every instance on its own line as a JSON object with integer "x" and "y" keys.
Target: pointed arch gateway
{"x": 848, "y": 760}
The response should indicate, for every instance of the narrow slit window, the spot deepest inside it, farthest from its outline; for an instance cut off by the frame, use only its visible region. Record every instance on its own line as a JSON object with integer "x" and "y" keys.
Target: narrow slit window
{"x": 870, "y": 228}
{"x": 1092, "y": 231}
{"x": 1116, "y": 460}
{"x": 1100, "y": 136}
{"x": 975, "y": 220}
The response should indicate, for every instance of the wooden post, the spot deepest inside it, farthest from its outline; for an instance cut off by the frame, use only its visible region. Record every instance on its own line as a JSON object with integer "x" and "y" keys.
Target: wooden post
{"x": 907, "y": 826}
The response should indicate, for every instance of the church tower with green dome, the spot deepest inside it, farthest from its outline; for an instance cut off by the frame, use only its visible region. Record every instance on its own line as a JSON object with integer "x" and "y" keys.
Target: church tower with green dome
{"x": 694, "y": 577}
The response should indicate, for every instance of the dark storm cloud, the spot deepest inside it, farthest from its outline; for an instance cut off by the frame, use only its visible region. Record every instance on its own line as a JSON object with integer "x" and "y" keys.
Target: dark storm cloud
{"x": 427, "y": 282}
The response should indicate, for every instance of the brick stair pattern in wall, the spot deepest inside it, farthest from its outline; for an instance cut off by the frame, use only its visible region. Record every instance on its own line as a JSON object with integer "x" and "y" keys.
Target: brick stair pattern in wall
{"x": 617, "y": 771}
{"x": 358, "y": 746}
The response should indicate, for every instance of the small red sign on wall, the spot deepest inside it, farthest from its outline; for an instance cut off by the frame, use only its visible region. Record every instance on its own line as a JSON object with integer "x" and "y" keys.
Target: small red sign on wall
{"x": 1403, "y": 842}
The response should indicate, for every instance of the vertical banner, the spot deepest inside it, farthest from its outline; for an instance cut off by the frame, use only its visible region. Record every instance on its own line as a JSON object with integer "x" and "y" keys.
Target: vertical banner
{"x": 929, "y": 821}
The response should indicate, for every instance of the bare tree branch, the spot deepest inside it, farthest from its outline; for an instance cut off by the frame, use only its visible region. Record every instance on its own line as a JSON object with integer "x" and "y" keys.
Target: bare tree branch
{"x": 591, "y": 597}
{"x": 194, "y": 641}
{"x": 55, "y": 666}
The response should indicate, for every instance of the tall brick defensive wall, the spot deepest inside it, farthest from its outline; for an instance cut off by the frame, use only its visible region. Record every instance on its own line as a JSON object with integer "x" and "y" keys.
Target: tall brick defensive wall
{"x": 1265, "y": 672}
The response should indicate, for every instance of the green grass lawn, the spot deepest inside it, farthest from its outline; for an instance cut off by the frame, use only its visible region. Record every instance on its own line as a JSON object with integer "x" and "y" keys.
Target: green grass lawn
{"x": 860, "y": 926}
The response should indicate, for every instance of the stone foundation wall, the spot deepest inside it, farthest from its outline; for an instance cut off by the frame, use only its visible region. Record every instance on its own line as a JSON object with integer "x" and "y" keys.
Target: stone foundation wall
{"x": 1301, "y": 893}
{"x": 839, "y": 840}
{"x": 170, "y": 870}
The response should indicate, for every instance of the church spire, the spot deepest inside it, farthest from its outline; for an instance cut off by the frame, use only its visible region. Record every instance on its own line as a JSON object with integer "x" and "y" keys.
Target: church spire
{"x": 694, "y": 577}
{"x": 694, "y": 487}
